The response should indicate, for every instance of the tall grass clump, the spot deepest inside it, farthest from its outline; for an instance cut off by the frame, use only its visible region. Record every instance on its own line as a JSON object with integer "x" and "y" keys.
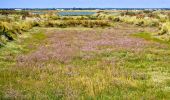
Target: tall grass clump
{"x": 146, "y": 21}
{"x": 77, "y": 23}
{"x": 164, "y": 33}
{"x": 162, "y": 18}
{"x": 26, "y": 25}
{"x": 132, "y": 20}
{"x": 9, "y": 31}
{"x": 6, "y": 31}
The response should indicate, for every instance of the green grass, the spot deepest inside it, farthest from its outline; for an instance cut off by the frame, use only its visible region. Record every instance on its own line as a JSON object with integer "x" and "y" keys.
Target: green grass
{"x": 107, "y": 75}
{"x": 150, "y": 37}
{"x": 10, "y": 52}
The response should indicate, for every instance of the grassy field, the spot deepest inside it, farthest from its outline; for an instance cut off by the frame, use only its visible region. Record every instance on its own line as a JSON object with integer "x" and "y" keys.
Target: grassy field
{"x": 86, "y": 58}
{"x": 85, "y": 63}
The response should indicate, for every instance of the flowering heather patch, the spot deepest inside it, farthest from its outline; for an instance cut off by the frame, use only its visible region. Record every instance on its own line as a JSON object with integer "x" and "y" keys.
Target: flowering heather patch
{"x": 85, "y": 63}
{"x": 64, "y": 45}
{"x": 114, "y": 39}
{"x": 57, "y": 48}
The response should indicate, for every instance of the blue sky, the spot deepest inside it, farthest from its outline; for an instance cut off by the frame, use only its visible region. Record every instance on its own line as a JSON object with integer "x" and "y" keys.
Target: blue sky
{"x": 85, "y": 3}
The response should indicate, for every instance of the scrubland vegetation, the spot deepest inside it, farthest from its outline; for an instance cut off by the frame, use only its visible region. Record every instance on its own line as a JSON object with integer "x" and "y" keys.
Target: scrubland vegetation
{"x": 13, "y": 22}
{"x": 104, "y": 56}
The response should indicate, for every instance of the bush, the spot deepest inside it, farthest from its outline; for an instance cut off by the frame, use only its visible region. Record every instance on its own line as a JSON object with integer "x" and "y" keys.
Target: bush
{"x": 151, "y": 22}
{"x": 162, "y": 18}
{"x": 75, "y": 23}
{"x": 165, "y": 29}
{"x": 130, "y": 13}
{"x": 88, "y": 23}
{"x": 49, "y": 24}
{"x": 5, "y": 19}
{"x": 26, "y": 25}
{"x": 164, "y": 33}
{"x": 92, "y": 17}
{"x": 9, "y": 31}
{"x": 129, "y": 20}
{"x": 12, "y": 25}
{"x": 16, "y": 28}
{"x": 60, "y": 24}
{"x": 139, "y": 23}
{"x": 6, "y": 30}
{"x": 80, "y": 18}
{"x": 116, "y": 19}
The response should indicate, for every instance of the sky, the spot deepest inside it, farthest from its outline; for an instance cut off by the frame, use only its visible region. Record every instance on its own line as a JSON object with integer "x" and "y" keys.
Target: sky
{"x": 85, "y": 3}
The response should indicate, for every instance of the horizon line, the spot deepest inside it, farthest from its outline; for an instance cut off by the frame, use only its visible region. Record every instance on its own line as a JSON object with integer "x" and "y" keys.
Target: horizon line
{"x": 85, "y": 8}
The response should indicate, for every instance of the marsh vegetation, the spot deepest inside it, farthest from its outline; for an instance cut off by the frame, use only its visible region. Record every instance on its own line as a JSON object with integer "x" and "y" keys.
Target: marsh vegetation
{"x": 107, "y": 55}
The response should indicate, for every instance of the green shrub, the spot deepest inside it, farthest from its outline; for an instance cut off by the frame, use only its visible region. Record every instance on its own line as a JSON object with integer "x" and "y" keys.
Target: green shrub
{"x": 116, "y": 19}
{"x": 151, "y": 22}
{"x": 54, "y": 17}
{"x": 75, "y": 23}
{"x": 5, "y": 19}
{"x": 154, "y": 23}
{"x": 81, "y": 18}
{"x": 130, "y": 13}
{"x": 129, "y": 20}
{"x": 139, "y": 23}
{"x": 12, "y": 25}
{"x": 6, "y": 30}
{"x": 9, "y": 31}
{"x": 66, "y": 18}
{"x": 26, "y": 25}
{"x": 165, "y": 29}
{"x": 16, "y": 28}
{"x": 162, "y": 18}
{"x": 92, "y": 17}
{"x": 61, "y": 24}
{"x": 36, "y": 24}
{"x": 49, "y": 24}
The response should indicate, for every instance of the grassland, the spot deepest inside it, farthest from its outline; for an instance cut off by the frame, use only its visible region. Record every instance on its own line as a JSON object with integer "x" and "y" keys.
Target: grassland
{"x": 120, "y": 61}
